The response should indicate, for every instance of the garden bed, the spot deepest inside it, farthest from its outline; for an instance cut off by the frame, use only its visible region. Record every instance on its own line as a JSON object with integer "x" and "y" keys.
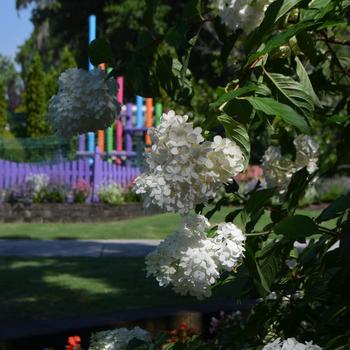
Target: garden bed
{"x": 53, "y": 334}
{"x": 65, "y": 212}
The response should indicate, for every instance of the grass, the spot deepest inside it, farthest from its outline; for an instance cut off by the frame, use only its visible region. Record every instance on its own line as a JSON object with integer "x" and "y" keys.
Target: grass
{"x": 148, "y": 227}
{"x": 42, "y": 288}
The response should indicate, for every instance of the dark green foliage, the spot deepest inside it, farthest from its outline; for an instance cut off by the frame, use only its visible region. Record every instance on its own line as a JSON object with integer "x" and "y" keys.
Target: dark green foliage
{"x": 36, "y": 100}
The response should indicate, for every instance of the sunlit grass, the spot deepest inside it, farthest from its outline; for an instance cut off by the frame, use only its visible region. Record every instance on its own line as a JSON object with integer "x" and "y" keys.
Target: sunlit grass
{"x": 147, "y": 227}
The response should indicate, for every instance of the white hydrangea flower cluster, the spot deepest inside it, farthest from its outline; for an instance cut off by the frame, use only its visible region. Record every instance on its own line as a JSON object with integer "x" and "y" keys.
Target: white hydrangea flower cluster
{"x": 35, "y": 183}
{"x": 85, "y": 101}
{"x": 243, "y": 14}
{"x": 290, "y": 344}
{"x": 191, "y": 261}
{"x": 184, "y": 170}
{"x": 117, "y": 339}
{"x": 279, "y": 170}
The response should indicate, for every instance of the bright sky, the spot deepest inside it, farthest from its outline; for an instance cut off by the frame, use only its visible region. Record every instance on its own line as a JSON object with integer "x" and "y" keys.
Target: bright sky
{"x": 15, "y": 27}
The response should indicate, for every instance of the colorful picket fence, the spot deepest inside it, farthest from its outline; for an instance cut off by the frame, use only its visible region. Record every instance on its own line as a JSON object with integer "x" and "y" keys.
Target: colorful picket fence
{"x": 127, "y": 138}
{"x": 68, "y": 173}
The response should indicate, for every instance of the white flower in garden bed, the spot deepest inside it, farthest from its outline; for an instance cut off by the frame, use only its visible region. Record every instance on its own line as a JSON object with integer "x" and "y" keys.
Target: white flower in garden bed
{"x": 110, "y": 193}
{"x": 191, "y": 261}
{"x": 278, "y": 170}
{"x": 290, "y": 344}
{"x": 85, "y": 101}
{"x": 243, "y": 14}
{"x": 35, "y": 183}
{"x": 183, "y": 169}
{"x": 117, "y": 339}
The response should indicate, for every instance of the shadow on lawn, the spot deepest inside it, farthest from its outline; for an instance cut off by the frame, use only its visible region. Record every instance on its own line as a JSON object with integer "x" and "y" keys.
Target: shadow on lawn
{"x": 42, "y": 288}
{"x": 75, "y": 248}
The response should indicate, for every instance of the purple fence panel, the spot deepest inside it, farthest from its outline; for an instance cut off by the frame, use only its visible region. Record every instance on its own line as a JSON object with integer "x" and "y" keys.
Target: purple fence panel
{"x": 87, "y": 173}
{"x": 13, "y": 172}
{"x": 104, "y": 171}
{"x": 67, "y": 174}
{"x": 81, "y": 169}
{"x": 7, "y": 174}
{"x": 61, "y": 173}
{"x": 114, "y": 173}
{"x": 1, "y": 175}
{"x": 74, "y": 166}
{"x": 98, "y": 173}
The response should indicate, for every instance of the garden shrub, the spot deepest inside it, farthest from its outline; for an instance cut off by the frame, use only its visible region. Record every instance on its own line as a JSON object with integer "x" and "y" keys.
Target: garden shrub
{"x": 288, "y": 89}
{"x": 110, "y": 193}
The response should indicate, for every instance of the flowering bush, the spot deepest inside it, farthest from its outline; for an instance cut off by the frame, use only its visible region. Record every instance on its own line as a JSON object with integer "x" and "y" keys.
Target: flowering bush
{"x": 118, "y": 339}
{"x": 283, "y": 77}
{"x": 81, "y": 191}
{"x": 73, "y": 111}
{"x": 110, "y": 193}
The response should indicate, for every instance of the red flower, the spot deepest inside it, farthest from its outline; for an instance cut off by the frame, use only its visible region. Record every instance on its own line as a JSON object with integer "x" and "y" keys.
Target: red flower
{"x": 73, "y": 342}
{"x": 183, "y": 326}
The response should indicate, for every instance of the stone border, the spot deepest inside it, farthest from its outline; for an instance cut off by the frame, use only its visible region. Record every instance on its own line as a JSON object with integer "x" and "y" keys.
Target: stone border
{"x": 64, "y": 212}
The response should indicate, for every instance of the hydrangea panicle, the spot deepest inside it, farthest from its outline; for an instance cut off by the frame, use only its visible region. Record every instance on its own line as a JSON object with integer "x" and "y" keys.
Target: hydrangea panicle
{"x": 183, "y": 169}
{"x": 243, "y": 14}
{"x": 290, "y": 344}
{"x": 85, "y": 101}
{"x": 191, "y": 261}
{"x": 278, "y": 170}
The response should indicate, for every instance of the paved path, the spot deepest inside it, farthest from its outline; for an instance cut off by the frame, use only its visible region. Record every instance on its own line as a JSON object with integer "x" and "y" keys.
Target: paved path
{"x": 76, "y": 248}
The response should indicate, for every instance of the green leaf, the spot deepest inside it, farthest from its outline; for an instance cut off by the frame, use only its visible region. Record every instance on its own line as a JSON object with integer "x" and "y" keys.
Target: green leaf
{"x": 100, "y": 52}
{"x": 233, "y": 94}
{"x": 335, "y": 209}
{"x": 260, "y": 33}
{"x": 171, "y": 79}
{"x": 237, "y": 132}
{"x": 296, "y": 227}
{"x": 286, "y": 7}
{"x": 176, "y": 37}
{"x": 269, "y": 261}
{"x": 192, "y": 10}
{"x": 281, "y": 38}
{"x": 293, "y": 93}
{"x": 306, "y": 83}
{"x": 296, "y": 188}
{"x": 272, "y": 107}
{"x": 338, "y": 119}
{"x": 256, "y": 201}
{"x": 151, "y": 8}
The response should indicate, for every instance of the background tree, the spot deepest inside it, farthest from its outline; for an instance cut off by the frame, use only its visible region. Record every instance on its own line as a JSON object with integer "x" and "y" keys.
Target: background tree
{"x": 36, "y": 100}
{"x": 67, "y": 60}
{"x": 3, "y": 108}
{"x": 12, "y": 80}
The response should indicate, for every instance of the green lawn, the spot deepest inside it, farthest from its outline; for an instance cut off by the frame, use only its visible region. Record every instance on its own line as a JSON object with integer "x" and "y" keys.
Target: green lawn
{"x": 42, "y": 288}
{"x": 148, "y": 227}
